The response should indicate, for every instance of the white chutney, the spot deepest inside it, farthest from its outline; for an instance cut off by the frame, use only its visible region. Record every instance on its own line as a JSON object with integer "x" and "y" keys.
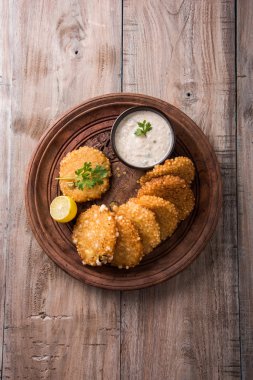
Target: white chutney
{"x": 144, "y": 151}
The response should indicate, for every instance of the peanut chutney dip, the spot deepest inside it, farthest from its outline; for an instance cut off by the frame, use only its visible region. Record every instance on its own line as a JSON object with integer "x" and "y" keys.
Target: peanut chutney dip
{"x": 143, "y": 138}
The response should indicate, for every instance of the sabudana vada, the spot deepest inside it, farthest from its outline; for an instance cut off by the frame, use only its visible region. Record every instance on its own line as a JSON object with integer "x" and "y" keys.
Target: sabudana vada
{"x": 173, "y": 189}
{"x": 128, "y": 250}
{"x": 75, "y": 160}
{"x": 145, "y": 222}
{"x": 94, "y": 235}
{"x": 180, "y": 166}
{"x": 165, "y": 212}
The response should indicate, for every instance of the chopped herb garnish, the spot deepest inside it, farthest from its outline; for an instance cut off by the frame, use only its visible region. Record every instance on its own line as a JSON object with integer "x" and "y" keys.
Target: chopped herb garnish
{"x": 88, "y": 177}
{"x": 143, "y": 128}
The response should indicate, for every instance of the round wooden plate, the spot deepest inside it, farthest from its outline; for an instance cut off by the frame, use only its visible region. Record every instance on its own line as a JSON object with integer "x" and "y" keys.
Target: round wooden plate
{"x": 89, "y": 124}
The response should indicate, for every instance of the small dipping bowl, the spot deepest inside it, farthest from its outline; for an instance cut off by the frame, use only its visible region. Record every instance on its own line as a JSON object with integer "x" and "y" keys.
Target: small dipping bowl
{"x": 142, "y": 152}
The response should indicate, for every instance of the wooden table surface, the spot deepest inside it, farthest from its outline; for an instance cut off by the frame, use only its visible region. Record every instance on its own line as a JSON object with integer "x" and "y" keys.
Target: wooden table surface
{"x": 195, "y": 54}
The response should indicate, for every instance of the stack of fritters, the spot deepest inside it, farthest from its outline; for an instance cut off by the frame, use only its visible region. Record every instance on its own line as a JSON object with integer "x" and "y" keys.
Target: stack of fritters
{"x": 132, "y": 230}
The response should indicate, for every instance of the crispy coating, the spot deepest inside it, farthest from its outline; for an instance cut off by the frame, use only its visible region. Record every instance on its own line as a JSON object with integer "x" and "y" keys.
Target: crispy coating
{"x": 173, "y": 189}
{"x": 95, "y": 235}
{"x": 145, "y": 222}
{"x": 128, "y": 250}
{"x": 75, "y": 160}
{"x": 165, "y": 212}
{"x": 180, "y": 166}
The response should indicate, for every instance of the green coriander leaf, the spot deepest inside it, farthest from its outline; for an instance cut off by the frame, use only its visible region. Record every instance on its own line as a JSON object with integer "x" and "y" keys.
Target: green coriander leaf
{"x": 144, "y": 128}
{"x": 89, "y": 183}
{"x": 138, "y": 132}
{"x": 100, "y": 171}
{"x": 88, "y": 177}
{"x": 79, "y": 185}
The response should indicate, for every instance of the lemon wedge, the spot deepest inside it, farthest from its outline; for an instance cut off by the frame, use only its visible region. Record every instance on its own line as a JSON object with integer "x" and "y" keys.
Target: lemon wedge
{"x": 63, "y": 209}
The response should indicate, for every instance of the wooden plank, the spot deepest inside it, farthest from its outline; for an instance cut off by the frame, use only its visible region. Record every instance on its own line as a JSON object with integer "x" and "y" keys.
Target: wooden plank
{"x": 55, "y": 327}
{"x": 184, "y": 52}
{"x": 5, "y": 115}
{"x": 245, "y": 179}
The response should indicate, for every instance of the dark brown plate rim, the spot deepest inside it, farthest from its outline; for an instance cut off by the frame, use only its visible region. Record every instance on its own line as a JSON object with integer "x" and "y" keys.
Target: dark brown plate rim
{"x": 196, "y": 249}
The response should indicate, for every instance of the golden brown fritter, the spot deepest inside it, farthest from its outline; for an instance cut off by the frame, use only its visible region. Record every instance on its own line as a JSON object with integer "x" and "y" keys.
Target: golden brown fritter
{"x": 128, "y": 250}
{"x": 173, "y": 189}
{"x": 165, "y": 212}
{"x": 75, "y": 160}
{"x": 180, "y": 166}
{"x": 95, "y": 235}
{"x": 145, "y": 222}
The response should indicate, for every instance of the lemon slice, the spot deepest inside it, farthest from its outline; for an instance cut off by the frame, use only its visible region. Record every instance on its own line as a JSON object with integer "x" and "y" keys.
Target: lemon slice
{"x": 63, "y": 209}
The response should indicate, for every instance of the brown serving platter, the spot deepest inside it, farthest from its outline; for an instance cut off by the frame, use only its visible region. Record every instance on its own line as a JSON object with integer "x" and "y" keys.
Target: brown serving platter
{"x": 90, "y": 124}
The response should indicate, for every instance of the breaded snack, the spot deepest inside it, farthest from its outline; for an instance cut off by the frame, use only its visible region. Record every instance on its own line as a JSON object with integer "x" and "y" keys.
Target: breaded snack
{"x": 145, "y": 222}
{"x": 165, "y": 212}
{"x": 95, "y": 235}
{"x": 75, "y": 160}
{"x": 128, "y": 250}
{"x": 173, "y": 189}
{"x": 180, "y": 166}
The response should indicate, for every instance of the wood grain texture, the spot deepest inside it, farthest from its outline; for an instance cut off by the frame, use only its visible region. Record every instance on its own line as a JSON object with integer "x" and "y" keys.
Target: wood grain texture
{"x": 5, "y": 119}
{"x": 55, "y": 327}
{"x": 56, "y": 54}
{"x": 245, "y": 180}
{"x": 187, "y": 328}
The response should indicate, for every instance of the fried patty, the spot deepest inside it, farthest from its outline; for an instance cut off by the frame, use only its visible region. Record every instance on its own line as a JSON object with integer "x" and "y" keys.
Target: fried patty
{"x": 173, "y": 189}
{"x": 75, "y": 160}
{"x": 165, "y": 212}
{"x": 95, "y": 235}
{"x": 145, "y": 222}
{"x": 128, "y": 250}
{"x": 180, "y": 166}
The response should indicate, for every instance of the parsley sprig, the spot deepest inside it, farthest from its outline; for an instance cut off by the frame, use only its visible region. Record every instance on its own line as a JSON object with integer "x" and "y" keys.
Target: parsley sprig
{"x": 86, "y": 176}
{"x": 143, "y": 128}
